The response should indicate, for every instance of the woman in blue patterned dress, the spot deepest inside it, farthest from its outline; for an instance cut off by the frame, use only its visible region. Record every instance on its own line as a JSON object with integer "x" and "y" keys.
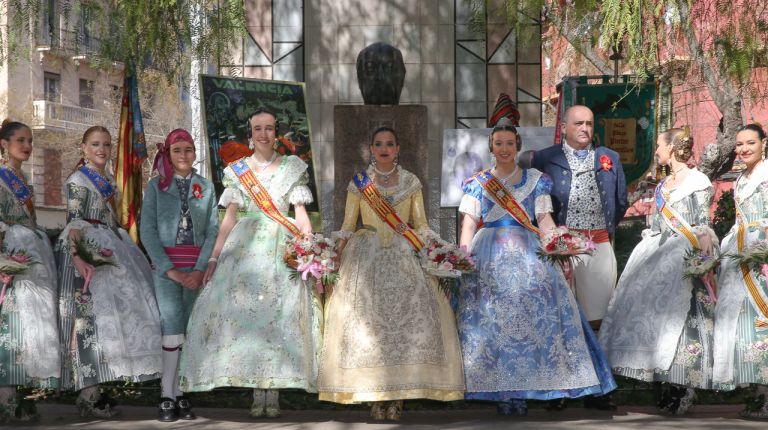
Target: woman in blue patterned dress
{"x": 29, "y": 337}
{"x": 522, "y": 335}
{"x": 111, "y": 331}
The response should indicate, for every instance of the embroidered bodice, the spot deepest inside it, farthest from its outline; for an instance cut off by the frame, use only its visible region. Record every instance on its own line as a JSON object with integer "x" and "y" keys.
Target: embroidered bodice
{"x": 691, "y": 200}
{"x": 405, "y": 197}
{"x": 11, "y": 211}
{"x": 532, "y": 192}
{"x": 751, "y": 195}
{"x": 287, "y": 186}
{"x": 84, "y": 202}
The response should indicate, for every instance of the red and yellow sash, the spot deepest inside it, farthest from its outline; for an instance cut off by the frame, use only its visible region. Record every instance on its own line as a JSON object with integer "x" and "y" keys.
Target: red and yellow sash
{"x": 504, "y": 198}
{"x": 384, "y": 209}
{"x": 261, "y": 196}
{"x": 757, "y": 296}
{"x": 673, "y": 219}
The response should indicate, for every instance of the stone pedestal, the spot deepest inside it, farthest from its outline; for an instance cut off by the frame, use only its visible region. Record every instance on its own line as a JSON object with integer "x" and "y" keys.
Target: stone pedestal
{"x": 353, "y": 125}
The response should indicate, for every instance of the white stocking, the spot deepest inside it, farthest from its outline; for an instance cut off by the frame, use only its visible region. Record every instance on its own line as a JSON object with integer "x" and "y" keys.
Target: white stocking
{"x": 170, "y": 379}
{"x": 90, "y": 394}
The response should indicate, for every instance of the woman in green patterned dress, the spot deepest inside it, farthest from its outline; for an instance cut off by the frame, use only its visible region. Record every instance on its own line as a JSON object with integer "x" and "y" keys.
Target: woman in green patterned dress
{"x": 254, "y": 324}
{"x": 29, "y": 338}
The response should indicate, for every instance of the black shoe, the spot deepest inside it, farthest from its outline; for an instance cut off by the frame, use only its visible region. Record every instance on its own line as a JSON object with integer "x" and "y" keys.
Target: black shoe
{"x": 601, "y": 403}
{"x": 184, "y": 409}
{"x": 556, "y": 404}
{"x": 166, "y": 411}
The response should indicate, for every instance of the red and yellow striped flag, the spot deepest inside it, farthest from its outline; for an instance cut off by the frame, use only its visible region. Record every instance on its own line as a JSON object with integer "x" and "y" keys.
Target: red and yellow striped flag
{"x": 131, "y": 153}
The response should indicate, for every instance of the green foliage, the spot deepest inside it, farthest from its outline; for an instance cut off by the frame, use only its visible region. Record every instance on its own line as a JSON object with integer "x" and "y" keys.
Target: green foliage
{"x": 161, "y": 35}
{"x": 725, "y": 214}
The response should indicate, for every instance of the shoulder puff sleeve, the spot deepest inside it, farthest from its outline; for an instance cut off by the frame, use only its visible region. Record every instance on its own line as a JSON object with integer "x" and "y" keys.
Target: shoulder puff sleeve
{"x": 472, "y": 199}
{"x": 300, "y": 193}
{"x": 543, "y": 202}
{"x": 232, "y": 193}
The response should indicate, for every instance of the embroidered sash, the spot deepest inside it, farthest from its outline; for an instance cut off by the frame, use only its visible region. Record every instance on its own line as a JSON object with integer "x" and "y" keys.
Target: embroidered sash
{"x": 384, "y": 209}
{"x": 673, "y": 219}
{"x": 504, "y": 198}
{"x": 20, "y": 190}
{"x": 757, "y": 296}
{"x": 102, "y": 185}
{"x": 261, "y": 196}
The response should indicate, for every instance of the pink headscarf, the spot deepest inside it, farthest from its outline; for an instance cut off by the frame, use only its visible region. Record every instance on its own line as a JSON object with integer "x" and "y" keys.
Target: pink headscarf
{"x": 163, "y": 158}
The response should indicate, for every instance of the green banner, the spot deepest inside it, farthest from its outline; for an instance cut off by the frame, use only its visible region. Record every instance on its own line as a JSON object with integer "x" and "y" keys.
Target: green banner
{"x": 627, "y": 118}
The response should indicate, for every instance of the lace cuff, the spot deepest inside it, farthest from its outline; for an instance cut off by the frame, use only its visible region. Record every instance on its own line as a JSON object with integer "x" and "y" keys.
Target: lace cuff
{"x": 231, "y": 195}
{"x": 543, "y": 204}
{"x": 300, "y": 195}
{"x": 470, "y": 206}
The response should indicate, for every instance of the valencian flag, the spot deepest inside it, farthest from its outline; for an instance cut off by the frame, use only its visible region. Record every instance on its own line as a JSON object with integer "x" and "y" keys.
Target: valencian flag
{"x": 131, "y": 153}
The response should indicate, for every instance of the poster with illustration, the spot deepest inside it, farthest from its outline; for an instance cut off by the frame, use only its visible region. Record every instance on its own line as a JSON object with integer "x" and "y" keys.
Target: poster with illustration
{"x": 227, "y": 102}
{"x": 465, "y": 152}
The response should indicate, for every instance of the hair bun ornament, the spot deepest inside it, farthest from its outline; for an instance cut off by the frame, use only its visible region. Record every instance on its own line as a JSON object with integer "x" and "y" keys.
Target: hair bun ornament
{"x": 6, "y": 122}
{"x": 686, "y": 136}
{"x": 504, "y": 122}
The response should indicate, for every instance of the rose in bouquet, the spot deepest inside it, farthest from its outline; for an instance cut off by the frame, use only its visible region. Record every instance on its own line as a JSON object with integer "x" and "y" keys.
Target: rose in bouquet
{"x": 447, "y": 262}
{"x": 90, "y": 252}
{"x": 561, "y": 246}
{"x": 313, "y": 255}
{"x": 697, "y": 264}
{"x": 13, "y": 263}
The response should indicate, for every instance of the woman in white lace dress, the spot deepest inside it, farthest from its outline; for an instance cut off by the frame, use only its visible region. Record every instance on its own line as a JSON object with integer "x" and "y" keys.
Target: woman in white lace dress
{"x": 29, "y": 338}
{"x": 659, "y": 326}
{"x": 110, "y": 330}
{"x": 390, "y": 333}
{"x": 254, "y": 324}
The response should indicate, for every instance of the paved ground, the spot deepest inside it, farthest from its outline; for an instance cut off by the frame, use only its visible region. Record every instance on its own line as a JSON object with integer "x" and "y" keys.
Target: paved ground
{"x": 58, "y": 416}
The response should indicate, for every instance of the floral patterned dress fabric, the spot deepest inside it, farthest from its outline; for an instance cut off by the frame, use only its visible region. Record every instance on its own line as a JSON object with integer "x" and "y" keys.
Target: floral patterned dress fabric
{"x": 113, "y": 331}
{"x": 254, "y": 325}
{"x": 659, "y": 326}
{"x": 29, "y": 339}
{"x": 522, "y": 335}
{"x": 390, "y": 333}
{"x": 741, "y": 352}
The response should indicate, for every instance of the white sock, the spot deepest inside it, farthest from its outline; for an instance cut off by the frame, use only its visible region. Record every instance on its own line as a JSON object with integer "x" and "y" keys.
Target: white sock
{"x": 272, "y": 398}
{"x": 258, "y": 398}
{"x": 170, "y": 382}
{"x": 176, "y": 388}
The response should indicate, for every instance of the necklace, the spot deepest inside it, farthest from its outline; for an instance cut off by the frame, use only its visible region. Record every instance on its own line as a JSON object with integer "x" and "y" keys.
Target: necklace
{"x": 261, "y": 165}
{"x": 385, "y": 175}
{"x": 506, "y": 178}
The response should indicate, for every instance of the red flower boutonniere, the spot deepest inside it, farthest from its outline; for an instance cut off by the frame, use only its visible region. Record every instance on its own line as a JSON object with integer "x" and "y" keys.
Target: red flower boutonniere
{"x": 605, "y": 162}
{"x": 197, "y": 191}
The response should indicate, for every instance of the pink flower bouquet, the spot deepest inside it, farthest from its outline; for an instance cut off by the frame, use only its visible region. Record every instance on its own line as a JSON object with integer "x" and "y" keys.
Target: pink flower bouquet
{"x": 90, "y": 252}
{"x": 447, "y": 262}
{"x": 12, "y": 263}
{"x": 313, "y": 255}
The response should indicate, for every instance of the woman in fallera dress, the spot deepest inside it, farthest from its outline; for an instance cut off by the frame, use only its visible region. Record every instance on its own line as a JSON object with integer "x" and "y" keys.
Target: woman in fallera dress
{"x": 522, "y": 335}
{"x": 254, "y": 324}
{"x": 659, "y": 326}
{"x": 741, "y": 313}
{"x": 29, "y": 336}
{"x": 390, "y": 333}
{"x": 111, "y": 331}
{"x": 179, "y": 222}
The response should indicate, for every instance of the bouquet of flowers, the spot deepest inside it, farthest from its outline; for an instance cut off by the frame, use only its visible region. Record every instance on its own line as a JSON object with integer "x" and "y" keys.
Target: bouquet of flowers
{"x": 696, "y": 264}
{"x": 313, "y": 255}
{"x": 561, "y": 245}
{"x": 447, "y": 262}
{"x": 13, "y": 263}
{"x": 90, "y": 252}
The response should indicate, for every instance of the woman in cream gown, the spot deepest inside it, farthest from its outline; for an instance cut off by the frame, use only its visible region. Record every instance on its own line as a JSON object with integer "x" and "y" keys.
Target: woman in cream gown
{"x": 390, "y": 333}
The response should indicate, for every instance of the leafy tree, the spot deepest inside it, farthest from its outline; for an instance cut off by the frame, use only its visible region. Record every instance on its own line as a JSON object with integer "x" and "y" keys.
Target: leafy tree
{"x": 163, "y": 35}
{"x": 720, "y": 42}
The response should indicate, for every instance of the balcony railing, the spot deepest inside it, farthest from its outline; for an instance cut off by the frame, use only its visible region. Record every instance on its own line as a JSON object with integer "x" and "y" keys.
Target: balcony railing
{"x": 72, "y": 43}
{"x": 59, "y": 116}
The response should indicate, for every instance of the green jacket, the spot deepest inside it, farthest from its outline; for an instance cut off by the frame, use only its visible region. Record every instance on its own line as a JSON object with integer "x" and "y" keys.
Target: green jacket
{"x": 160, "y": 213}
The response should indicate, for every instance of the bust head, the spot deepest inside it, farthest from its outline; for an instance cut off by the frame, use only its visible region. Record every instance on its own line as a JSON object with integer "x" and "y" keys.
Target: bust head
{"x": 380, "y": 74}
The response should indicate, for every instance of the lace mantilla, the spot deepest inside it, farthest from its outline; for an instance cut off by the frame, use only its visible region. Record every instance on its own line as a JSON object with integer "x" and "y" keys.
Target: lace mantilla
{"x": 286, "y": 185}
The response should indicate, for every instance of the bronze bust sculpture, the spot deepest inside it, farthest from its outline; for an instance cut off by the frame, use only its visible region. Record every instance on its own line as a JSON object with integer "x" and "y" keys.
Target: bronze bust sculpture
{"x": 380, "y": 74}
